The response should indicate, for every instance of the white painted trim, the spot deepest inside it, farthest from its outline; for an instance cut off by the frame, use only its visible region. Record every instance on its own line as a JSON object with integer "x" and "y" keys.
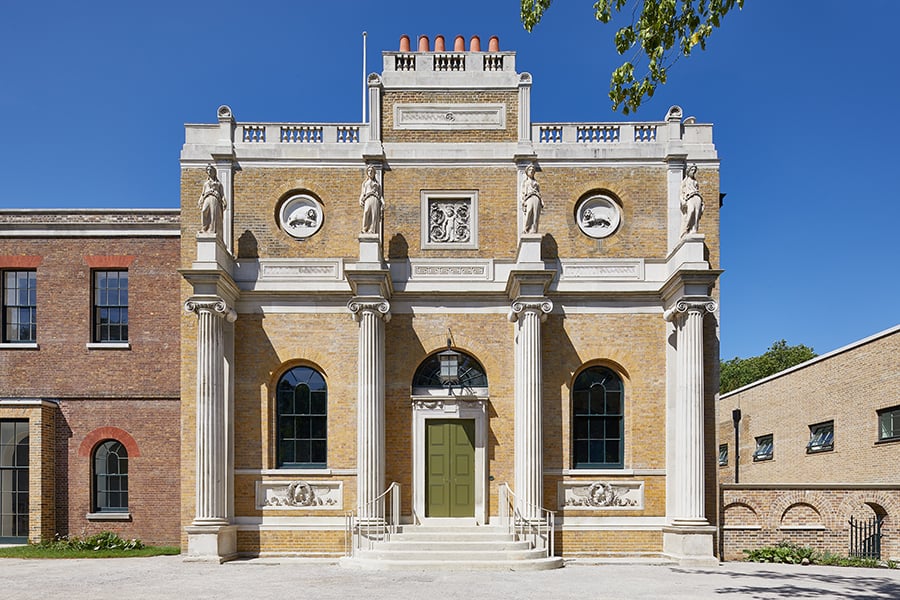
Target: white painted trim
{"x": 608, "y": 523}
{"x": 27, "y": 402}
{"x": 274, "y": 523}
{"x": 18, "y": 346}
{"x": 606, "y": 472}
{"x": 108, "y": 346}
{"x": 108, "y": 516}
{"x": 297, "y": 472}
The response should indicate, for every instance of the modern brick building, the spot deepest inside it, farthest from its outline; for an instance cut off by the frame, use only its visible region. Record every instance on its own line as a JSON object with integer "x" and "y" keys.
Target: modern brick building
{"x": 488, "y": 363}
{"x": 806, "y": 449}
{"x": 89, "y": 394}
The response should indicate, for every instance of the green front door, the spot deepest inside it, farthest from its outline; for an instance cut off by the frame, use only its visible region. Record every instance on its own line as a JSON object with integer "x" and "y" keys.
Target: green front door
{"x": 450, "y": 468}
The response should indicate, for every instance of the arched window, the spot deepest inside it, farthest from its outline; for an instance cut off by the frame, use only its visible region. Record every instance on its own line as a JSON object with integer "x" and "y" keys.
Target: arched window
{"x": 110, "y": 477}
{"x": 598, "y": 421}
{"x": 302, "y": 420}
{"x": 466, "y": 376}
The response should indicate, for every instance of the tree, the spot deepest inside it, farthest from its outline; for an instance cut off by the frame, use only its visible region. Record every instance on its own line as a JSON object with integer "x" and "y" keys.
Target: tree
{"x": 739, "y": 372}
{"x": 656, "y": 28}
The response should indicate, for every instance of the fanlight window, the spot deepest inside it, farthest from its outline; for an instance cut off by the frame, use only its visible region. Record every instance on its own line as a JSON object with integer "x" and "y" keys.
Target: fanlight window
{"x": 469, "y": 376}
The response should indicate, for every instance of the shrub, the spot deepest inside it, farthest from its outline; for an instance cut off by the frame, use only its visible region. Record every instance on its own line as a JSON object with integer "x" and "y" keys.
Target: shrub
{"x": 790, "y": 553}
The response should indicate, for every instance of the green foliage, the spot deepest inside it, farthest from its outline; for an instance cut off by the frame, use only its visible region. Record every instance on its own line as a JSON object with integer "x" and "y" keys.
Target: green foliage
{"x": 102, "y": 545}
{"x": 790, "y": 553}
{"x": 739, "y": 372}
{"x": 660, "y": 31}
{"x": 783, "y": 552}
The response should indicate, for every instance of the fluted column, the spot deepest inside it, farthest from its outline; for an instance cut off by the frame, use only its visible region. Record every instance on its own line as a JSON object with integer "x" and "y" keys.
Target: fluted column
{"x": 529, "y": 458}
{"x": 212, "y": 453}
{"x": 371, "y": 314}
{"x": 687, "y": 314}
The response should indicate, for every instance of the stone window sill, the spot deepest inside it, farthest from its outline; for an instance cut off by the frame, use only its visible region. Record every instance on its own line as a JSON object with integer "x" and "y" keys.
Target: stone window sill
{"x": 109, "y": 346}
{"x": 108, "y": 516}
{"x": 18, "y": 346}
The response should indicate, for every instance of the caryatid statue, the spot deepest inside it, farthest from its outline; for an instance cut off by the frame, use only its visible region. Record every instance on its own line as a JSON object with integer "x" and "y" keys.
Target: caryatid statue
{"x": 372, "y": 202}
{"x": 532, "y": 203}
{"x": 211, "y": 203}
{"x": 691, "y": 202}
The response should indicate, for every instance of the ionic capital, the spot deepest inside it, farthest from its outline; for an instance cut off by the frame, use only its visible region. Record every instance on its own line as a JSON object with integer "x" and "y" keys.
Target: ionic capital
{"x": 216, "y": 306}
{"x": 379, "y": 306}
{"x": 691, "y": 304}
{"x": 541, "y": 306}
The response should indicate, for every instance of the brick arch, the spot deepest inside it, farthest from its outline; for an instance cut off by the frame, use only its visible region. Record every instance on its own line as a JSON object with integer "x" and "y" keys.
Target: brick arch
{"x": 91, "y": 440}
{"x": 742, "y": 513}
{"x": 885, "y": 501}
{"x": 800, "y": 513}
{"x": 817, "y": 500}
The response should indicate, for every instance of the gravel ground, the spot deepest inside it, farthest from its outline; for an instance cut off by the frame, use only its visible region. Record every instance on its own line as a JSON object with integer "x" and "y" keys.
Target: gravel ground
{"x": 170, "y": 577}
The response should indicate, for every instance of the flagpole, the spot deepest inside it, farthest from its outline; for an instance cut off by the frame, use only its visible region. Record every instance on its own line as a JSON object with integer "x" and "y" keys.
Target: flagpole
{"x": 364, "y": 79}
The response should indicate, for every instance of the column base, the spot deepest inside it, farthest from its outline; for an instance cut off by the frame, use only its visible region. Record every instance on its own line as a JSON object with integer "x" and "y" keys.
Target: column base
{"x": 690, "y": 545}
{"x": 211, "y": 543}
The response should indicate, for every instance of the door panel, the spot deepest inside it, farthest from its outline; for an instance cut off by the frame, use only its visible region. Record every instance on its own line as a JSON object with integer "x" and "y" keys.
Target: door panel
{"x": 450, "y": 468}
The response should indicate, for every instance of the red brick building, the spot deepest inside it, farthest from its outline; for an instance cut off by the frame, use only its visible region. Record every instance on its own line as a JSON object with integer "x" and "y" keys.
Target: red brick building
{"x": 89, "y": 364}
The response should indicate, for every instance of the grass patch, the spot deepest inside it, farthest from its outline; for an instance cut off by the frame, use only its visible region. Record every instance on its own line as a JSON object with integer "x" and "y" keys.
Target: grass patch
{"x": 103, "y": 545}
{"x": 793, "y": 554}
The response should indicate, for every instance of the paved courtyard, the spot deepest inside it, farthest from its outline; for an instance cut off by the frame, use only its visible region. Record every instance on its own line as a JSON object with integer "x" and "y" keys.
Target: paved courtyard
{"x": 170, "y": 577}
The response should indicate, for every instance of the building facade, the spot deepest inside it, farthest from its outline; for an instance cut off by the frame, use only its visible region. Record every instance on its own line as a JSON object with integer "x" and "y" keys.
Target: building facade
{"x": 450, "y": 297}
{"x": 807, "y": 449}
{"x": 89, "y": 394}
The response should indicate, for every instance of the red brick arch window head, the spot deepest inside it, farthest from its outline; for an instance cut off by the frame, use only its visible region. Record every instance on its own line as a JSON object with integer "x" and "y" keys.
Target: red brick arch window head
{"x": 108, "y": 433}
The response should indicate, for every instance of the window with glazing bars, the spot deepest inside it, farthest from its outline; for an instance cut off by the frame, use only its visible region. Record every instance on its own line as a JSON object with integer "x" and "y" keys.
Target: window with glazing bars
{"x": 598, "y": 420}
{"x": 821, "y": 437}
{"x": 110, "y": 477}
{"x": 302, "y": 420}
{"x": 19, "y": 306}
{"x": 110, "y": 306}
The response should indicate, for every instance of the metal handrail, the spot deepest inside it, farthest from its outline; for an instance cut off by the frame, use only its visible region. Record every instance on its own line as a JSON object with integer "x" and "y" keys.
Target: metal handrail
{"x": 537, "y": 525}
{"x": 379, "y": 520}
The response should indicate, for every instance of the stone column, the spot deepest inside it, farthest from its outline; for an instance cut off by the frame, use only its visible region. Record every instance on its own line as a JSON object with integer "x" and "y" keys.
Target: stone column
{"x": 371, "y": 314}
{"x": 529, "y": 458}
{"x": 687, "y": 315}
{"x": 211, "y": 479}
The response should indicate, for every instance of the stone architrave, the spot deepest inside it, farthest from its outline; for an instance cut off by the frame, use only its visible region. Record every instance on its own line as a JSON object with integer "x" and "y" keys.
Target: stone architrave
{"x": 528, "y": 314}
{"x": 212, "y": 454}
{"x": 687, "y": 315}
{"x": 371, "y": 313}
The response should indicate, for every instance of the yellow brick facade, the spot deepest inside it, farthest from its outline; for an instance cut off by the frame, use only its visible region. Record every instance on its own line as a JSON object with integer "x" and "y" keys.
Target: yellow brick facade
{"x": 288, "y": 316}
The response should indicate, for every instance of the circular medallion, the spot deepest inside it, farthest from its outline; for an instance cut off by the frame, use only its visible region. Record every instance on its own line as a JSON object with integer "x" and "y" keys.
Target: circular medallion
{"x": 301, "y": 216}
{"x": 598, "y": 216}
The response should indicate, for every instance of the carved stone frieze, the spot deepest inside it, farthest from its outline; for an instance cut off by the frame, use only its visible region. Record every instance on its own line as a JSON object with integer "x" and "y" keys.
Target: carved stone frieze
{"x": 449, "y": 116}
{"x": 450, "y": 271}
{"x": 601, "y": 494}
{"x": 604, "y": 269}
{"x": 299, "y": 494}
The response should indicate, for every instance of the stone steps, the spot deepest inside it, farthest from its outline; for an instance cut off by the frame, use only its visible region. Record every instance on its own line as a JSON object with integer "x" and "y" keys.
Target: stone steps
{"x": 453, "y": 548}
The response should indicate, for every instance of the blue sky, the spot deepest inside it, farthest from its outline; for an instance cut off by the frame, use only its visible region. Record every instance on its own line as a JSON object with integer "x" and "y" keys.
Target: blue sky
{"x": 803, "y": 95}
